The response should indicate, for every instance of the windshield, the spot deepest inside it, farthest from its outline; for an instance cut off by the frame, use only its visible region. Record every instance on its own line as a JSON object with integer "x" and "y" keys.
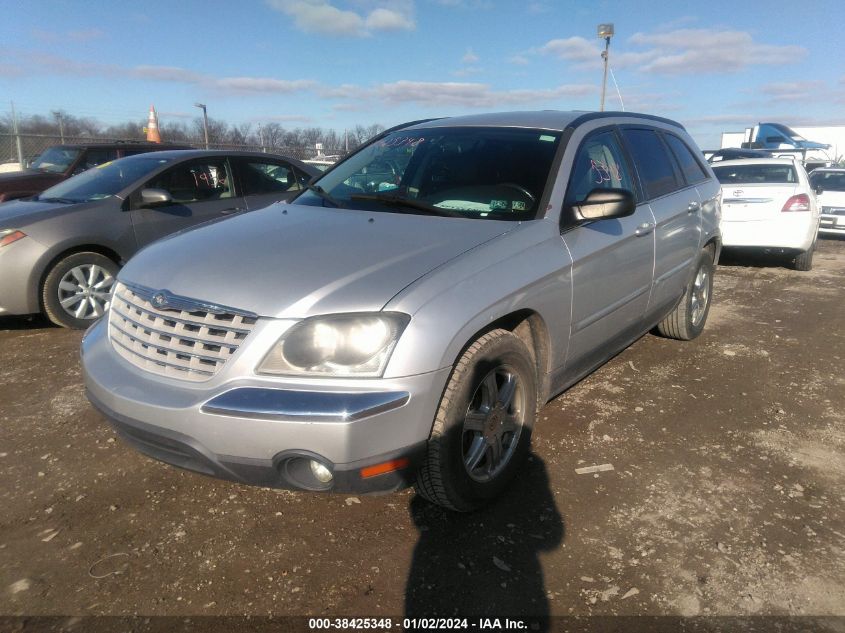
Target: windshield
{"x": 104, "y": 180}
{"x": 828, "y": 180}
{"x": 788, "y": 132}
{"x": 56, "y": 159}
{"x": 751, "y": 174}
{"x": 483, "y": 173}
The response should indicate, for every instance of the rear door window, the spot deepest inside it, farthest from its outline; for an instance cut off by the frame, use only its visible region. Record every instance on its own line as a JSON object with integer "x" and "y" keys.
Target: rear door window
{"x": 259, "y": 177}
{"x": 690, "y": 167}
{"x": 654, "y": 165}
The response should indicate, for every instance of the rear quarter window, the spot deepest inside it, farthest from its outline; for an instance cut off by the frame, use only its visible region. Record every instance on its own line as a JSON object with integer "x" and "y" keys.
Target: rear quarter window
{"x": 653, "y": 163}
{"x": 690, "y": 166}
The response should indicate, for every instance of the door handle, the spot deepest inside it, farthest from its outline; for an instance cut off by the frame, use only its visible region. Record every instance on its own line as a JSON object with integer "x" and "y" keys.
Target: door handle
{"x": 644, "y": 229}
{"x": 231, "y": 210}
{"x": 693, "y": 207}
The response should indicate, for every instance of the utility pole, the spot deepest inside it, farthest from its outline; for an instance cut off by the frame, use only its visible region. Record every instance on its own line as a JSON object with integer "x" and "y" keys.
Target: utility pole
{"x": 605, "y": 31}
{"x": 204, "y": 121}
{"x": 60, "y": 121}
{"x": 17, "y": 135}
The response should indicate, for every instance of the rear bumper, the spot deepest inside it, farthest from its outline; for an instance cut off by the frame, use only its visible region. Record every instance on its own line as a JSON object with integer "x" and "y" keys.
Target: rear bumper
{"x": 790, "y": 233}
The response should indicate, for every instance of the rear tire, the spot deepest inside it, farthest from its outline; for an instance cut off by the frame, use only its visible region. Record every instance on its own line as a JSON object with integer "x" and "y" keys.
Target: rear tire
{"x": 687, "y": 320}
{"x": 804, "y": 261}
{"x": 482, "y": 430}
{"x": 77, "y": 290}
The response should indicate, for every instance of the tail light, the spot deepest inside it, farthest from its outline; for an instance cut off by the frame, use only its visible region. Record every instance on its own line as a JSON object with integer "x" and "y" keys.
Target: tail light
{"x": 801, "y": 202}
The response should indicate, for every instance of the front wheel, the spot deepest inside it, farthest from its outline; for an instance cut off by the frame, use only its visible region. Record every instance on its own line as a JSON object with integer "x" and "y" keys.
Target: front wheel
{"x": 687, "y": 320}
{"x": 77, "y": 290}
{"x": 482, "y": 429}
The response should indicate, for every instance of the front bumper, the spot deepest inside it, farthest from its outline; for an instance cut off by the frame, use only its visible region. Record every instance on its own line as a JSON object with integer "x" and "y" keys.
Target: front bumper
{"x": 258, "y": 430}
{"x": 833, "y": 222}
{"x": 19, "y": 277}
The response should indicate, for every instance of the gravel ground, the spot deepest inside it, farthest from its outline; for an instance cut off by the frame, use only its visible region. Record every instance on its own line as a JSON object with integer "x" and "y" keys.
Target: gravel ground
{"x": 726, "y": 495}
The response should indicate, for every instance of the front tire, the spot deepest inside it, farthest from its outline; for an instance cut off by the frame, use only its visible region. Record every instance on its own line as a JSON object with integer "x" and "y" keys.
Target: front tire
{"x": 77, "y": 290}
{"x": 482, "y": 430}
{"x": 687, "y": 320}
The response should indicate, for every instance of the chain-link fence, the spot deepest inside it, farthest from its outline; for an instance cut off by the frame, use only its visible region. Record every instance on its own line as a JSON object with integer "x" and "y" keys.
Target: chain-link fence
{"x": 25, "y": 148}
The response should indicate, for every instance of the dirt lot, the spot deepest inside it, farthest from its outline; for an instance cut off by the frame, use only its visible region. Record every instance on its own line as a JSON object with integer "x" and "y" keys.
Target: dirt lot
{"x": 727, "y": 494}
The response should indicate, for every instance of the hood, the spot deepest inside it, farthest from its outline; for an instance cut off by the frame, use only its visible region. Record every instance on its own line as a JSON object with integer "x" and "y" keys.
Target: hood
{"x": 17, "y": 214}
{"x": 296, "y": 261}
{"x": 11, "y": 181}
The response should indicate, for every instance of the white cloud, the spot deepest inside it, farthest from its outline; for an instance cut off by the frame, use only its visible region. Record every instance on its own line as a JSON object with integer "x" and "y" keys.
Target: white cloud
{"x": 518, "y": 60}
{"x": 680, "y": 51}
{"x": 260, "y": 85}
{"x": 389, "y": 20}
{"x": 469, "y": 57}
{"x": 577, "y": 49}
{"x": 446, "y": 94}
{"x": 792, "y": 90}
{"x": 711, "y": 51}
{"x": 323, "y": 17}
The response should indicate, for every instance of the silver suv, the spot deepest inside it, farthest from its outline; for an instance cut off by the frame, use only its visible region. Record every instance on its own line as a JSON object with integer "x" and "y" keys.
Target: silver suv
{"x": 402, "y": 320}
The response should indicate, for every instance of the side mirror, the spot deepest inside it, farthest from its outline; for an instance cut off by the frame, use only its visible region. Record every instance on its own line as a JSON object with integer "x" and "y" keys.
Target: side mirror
{"x": 155, "y": 197}
{"x": 604, "y": 204}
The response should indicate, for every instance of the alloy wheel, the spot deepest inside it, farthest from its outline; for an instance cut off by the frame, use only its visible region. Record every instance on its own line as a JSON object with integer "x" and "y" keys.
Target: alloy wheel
{"x": 699, "y": 296}
{"x": 493, "y": 424}
{"x": 85, "y": 291}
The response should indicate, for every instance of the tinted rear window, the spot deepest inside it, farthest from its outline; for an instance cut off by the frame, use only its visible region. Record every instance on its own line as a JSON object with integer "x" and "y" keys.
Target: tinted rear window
{"x": 750, "y": 174}
{"x": 690, "y": 166}
{"x": 829, "y": 180}
{"x": 653, "y": 163}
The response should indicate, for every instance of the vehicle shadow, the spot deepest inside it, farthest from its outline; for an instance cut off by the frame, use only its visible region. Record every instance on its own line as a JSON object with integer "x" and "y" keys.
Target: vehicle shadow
{"x": 27, "y": 322}
{"x": 486, "y": 564}
{"x": 753, "y": 259}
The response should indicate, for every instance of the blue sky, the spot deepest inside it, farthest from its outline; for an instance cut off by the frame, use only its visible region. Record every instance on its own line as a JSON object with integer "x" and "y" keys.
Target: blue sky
{"x": 713, "y": 65}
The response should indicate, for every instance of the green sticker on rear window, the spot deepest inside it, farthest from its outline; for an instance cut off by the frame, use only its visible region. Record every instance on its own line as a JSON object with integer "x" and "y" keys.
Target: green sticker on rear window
{"x": 546, "y": 137}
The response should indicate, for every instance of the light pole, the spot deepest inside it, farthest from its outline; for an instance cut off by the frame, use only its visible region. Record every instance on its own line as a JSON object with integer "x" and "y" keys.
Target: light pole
{"x": 605, "y": 31}
{"x": 205, "y": 121}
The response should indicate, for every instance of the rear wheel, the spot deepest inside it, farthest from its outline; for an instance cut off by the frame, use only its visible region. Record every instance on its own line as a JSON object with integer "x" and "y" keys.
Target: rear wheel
{"x": 77, "y": 290}
{"x": 687, "y": 320}
{"x": 482, "y": 430}
{"x": 804, "y": 261}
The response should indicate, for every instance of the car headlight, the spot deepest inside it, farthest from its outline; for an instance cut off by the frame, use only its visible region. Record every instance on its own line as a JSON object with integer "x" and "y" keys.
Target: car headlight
{"x": 340, "y": 345}
{"x": 7, "y": 236}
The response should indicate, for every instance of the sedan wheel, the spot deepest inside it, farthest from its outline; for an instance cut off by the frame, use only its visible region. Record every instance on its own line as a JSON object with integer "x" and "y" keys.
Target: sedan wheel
{"x": 77, "y": 290}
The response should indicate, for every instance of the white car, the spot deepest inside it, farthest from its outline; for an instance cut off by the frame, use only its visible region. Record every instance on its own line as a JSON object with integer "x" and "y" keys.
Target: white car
{"x": 769, "y": 204}
{"x": 829, "y": 184}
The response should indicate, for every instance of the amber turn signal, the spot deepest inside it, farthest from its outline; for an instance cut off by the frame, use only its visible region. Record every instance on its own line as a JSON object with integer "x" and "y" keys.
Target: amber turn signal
{"x": 384, "y": 467}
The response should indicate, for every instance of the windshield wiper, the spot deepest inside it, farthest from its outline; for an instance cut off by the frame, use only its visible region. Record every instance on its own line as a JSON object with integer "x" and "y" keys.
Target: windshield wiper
{"x": 325, "y": 195}
{"x": 59, "y": 200}
{"x": 400, "y": 201}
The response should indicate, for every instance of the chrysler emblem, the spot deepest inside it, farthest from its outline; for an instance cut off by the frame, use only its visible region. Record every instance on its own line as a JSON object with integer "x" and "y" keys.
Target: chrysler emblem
{"x": 159, "y": 300}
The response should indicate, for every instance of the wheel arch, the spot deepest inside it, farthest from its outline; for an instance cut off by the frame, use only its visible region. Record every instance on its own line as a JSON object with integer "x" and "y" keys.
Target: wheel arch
{"x": 530, "y": 327}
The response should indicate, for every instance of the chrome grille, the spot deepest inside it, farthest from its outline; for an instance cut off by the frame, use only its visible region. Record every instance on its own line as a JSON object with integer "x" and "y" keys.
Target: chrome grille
{"x": 181, "y": 343}
{"x": 833, "y": 211}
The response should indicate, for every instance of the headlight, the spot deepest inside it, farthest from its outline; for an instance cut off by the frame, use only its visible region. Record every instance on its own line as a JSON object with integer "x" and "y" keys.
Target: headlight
{"x": 338, "y": 345}
{"x": 7, "y": 236}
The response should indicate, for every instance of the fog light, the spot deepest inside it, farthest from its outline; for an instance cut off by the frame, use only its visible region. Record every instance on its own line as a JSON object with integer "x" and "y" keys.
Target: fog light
{"x": 323, "y": 474}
